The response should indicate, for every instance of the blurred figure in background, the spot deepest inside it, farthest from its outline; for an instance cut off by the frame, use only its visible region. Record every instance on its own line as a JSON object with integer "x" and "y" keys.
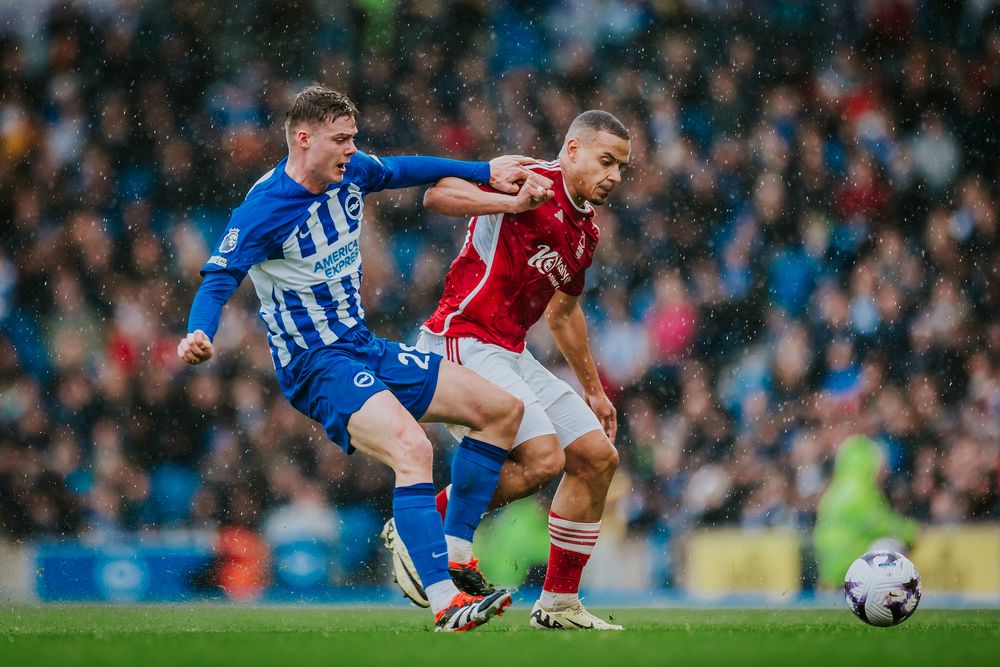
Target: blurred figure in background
{"x": 854, "y": 514}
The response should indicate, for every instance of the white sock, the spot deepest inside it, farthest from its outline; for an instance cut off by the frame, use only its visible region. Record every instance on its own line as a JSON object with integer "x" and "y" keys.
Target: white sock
{"x": 441, "y": 594}
{"x": 459, "y": 550}
{"x": 557, "y": 601}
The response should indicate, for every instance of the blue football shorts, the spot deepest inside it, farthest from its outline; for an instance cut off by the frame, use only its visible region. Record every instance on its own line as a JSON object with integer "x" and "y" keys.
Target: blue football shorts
{"x": 331, "y": 383}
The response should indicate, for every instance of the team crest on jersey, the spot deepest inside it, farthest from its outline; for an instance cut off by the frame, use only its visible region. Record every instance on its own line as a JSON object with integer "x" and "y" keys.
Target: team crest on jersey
{"x": 364, "y": 379}
{"x": 229, "y": 241}
{"x": 354, "y": 205}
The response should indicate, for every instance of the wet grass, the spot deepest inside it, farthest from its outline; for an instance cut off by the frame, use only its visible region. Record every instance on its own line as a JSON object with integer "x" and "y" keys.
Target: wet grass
{"x": 149, "y": 636}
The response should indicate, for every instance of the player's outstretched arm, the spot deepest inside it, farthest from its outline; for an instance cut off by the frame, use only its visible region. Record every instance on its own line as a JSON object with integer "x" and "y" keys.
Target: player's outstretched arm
{"x": 569, "y": 329}
{"x": 504, "y": 173}
{"x": 455, "y": 197}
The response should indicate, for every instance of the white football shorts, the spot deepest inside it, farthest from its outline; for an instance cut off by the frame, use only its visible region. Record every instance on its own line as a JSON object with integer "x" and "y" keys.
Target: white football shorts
{"x": 551, "y": 407}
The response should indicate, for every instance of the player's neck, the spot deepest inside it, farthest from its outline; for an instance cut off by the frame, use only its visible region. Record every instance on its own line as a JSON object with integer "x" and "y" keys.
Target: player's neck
{"x": 296, "y": 171}
{"x": 581, "y": 202}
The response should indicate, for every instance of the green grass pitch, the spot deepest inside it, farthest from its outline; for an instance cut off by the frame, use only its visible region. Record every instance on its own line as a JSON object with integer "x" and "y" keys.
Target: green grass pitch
{"x": 222, "y": 636}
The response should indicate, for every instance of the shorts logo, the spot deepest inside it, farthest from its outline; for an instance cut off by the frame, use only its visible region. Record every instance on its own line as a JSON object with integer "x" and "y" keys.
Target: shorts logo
{"x": 229, "y": 241}
{"x": 221, "y": 261}
{"x": 353, "y": 205}
{"x": 364, "y": 379}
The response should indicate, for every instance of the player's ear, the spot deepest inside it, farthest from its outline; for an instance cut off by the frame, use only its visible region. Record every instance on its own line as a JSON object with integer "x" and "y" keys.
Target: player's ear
{"x": 572, "y": 148}
{"x": 300, "y": 136}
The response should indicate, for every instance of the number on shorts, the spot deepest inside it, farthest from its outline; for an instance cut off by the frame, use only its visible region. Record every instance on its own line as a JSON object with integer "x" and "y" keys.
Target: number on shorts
{"x": 407, "y": 356}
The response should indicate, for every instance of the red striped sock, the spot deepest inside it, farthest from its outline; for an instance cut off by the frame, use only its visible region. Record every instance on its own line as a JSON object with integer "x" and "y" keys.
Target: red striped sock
{"x": 570, "y": 546}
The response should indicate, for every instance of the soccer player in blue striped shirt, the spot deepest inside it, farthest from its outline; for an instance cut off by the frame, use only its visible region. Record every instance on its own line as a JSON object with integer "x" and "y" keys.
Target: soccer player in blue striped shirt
{"x": 296, "y": 235}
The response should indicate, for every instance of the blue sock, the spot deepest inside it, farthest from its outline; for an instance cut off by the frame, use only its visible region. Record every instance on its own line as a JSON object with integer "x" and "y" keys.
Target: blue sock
{"x": 419, "y": 527}
{"x": 475, "y": 471}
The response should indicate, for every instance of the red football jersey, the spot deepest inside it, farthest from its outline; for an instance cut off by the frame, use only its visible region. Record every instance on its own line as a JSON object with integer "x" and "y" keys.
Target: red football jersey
{"x": 510, "y": 266}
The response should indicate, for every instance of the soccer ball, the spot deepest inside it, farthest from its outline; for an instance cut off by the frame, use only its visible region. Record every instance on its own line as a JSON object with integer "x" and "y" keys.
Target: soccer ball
{"x": 883, "y": 588}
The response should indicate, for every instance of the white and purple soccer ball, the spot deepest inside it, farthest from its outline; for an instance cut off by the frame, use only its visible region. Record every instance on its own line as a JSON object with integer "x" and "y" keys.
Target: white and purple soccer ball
{"x": 882, "y": 588}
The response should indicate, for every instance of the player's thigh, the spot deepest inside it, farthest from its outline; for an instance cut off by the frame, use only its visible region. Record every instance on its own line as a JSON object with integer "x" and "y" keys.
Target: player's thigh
{"x": 576, "y": 425}
{"x": 535, "y": 424}
{"x": 384, "y": 429}
{"x": 411, "y": 375}
{"x": 330, "y": 388}
{"x": 464, "y": 397}
{"x": 495, "y": 364}
{"x": 542, "y": 382}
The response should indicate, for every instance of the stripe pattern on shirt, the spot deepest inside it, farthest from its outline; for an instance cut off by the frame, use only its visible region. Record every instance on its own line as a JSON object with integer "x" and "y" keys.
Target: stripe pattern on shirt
{"x": 311, "y": 295}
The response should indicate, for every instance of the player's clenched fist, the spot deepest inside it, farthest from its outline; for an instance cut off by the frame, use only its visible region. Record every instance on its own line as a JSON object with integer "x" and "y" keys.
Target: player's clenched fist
{"x": 535, "y": 191}
{"x": 507, "y": 171}
{"x": 195, "y": 348}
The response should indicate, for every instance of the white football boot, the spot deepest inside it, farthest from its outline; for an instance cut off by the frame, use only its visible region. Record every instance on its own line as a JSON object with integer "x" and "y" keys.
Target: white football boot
{"x": 403, "y": 570}
{"x": 571, "y": 618}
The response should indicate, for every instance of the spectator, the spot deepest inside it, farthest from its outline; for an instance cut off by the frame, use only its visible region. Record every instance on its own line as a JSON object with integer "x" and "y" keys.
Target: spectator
{"x": 807, "y": 243}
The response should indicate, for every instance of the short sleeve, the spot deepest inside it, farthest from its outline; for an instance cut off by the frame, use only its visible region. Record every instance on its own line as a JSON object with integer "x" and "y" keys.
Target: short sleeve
{"x": 368, "y": 172}
{"x": 576, "y": 284}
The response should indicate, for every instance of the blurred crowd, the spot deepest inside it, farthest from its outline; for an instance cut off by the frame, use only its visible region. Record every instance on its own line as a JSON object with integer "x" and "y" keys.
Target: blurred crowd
{"x": 806, "y": 246}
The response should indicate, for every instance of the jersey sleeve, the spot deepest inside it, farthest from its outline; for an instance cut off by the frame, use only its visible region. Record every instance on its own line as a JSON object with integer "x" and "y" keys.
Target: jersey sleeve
{"x": 212, "y": 295}
{"x": 249, "y": 239}
{"x": 373, "y": 173}
{"x": 576, "y": 284}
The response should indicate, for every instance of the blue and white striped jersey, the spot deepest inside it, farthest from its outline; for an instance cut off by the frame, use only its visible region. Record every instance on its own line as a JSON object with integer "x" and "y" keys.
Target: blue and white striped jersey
{"x": 301, "y": 249}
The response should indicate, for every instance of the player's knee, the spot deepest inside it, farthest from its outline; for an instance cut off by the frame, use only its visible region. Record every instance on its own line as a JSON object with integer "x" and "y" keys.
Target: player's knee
{"x": 512, "y": 413}
{"x": 412, "y": 452}
{"x": 611, "y": 459}
{"x": 596, "y": 458}
{"x": 548, "y": 465}
{"x": 503, "y": 414}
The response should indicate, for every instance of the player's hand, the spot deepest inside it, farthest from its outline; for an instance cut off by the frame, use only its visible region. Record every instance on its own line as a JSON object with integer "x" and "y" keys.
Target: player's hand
{"x": 507, "y": 172}
{"x": 195, "y": 348}
{"x": 535, "y": 191}
{"x": 606, "y": 413}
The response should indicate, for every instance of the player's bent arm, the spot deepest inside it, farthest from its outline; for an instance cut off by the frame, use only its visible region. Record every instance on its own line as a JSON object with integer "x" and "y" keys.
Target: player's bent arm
{"x": 458, "y": 198}
{"x": 206, "y": 310}
{"x": 569, "y": 328}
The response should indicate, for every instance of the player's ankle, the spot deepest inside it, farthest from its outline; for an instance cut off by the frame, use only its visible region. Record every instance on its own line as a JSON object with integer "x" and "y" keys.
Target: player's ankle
{"x": 441, "y": 594}
{"x": 557, "y": 601}
{"x": 459, "y": 549}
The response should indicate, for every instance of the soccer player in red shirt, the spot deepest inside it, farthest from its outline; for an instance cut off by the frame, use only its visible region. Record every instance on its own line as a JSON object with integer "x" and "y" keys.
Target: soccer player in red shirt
{"x": 518, "y": 263}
